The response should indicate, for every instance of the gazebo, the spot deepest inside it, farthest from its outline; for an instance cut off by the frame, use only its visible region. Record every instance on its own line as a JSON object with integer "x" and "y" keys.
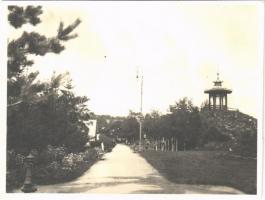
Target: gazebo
{"x": 218, "y": 95}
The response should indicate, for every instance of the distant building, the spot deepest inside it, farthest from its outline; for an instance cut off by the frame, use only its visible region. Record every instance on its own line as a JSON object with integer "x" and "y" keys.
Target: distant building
{"x": 218, "y": 95}
{"x": 92, "y": 125}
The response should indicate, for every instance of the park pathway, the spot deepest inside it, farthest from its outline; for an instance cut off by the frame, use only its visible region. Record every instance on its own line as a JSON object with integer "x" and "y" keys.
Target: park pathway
{"x": 122, "y": 172}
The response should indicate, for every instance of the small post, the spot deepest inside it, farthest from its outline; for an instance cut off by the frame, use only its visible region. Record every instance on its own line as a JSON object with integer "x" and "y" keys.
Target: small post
{"x": 28, "y": 186}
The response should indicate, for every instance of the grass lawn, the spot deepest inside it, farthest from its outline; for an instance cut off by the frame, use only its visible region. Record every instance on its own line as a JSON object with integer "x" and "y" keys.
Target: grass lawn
{"x": 205, "y": 168}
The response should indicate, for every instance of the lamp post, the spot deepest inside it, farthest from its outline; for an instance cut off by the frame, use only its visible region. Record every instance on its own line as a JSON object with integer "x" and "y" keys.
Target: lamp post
{"x": 141, "y": 111}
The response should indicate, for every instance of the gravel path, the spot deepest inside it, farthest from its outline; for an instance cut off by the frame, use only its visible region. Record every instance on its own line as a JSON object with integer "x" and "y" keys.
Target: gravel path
{"x": 123, "y": 172}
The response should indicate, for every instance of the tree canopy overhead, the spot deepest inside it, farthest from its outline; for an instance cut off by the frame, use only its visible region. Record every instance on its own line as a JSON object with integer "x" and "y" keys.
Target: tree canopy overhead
{"x": 30, "y": 44}
{"x": 19, "y": 16}
{"x": 41, "y": 113}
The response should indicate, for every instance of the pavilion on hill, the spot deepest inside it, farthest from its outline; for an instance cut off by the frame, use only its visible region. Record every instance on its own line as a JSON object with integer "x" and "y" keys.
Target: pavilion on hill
{"x": 218, "y": 95}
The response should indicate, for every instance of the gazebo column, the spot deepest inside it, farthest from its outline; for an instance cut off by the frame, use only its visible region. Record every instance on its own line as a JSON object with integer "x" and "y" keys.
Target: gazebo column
{"x": 223, "y": 106}
{"x": 219, "y": 96}
{"x": 209, "y": 103}
{"x": 226, "y": 101}
{"x": 220, "y": 102}
{"x": 214, "y": 101}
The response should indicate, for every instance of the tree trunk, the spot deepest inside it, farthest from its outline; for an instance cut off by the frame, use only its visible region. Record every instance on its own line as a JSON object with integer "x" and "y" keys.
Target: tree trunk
{"x": 172, "y": 144}
{"x": 176, "y": 144}
{"x": 163, "y": 144}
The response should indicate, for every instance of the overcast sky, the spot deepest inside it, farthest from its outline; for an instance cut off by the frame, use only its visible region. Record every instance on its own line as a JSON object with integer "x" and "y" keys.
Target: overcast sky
{"x": 178, "y": 46}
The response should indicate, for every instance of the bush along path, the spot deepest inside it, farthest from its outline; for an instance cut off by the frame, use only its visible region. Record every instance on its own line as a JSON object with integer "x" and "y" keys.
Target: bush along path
{"x": 53, "y": 165}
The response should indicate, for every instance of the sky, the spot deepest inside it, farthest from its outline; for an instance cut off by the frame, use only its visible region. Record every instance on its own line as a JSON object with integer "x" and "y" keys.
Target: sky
{"x": 178, "y": 48}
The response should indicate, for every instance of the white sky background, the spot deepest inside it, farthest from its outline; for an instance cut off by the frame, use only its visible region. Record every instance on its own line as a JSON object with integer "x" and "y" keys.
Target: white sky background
{"x": 179, "y": 46}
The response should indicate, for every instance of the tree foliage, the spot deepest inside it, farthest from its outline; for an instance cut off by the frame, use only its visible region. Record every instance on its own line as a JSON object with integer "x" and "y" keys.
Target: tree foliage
{"x": 186, "y": 122}
{"x": 19, "y": 15}
{"x": 183, "y": 122}
{"x": 30, "y": 44}
{"x": 41, "y": 113}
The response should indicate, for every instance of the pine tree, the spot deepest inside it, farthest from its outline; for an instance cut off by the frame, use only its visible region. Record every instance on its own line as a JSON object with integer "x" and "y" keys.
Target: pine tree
{"x": 20, "y": 85}
{"x": 41, "y": 113}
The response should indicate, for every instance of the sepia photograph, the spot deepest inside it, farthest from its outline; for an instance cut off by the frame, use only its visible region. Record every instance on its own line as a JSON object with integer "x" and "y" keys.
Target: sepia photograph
{"x": 134, "y": 97}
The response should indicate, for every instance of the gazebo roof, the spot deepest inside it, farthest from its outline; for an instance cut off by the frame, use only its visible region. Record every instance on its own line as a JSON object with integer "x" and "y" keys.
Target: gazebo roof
{"x": 217, "y": 88}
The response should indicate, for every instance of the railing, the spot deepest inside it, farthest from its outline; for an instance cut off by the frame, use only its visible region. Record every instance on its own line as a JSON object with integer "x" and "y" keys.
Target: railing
{"x": 233, "y": 109}
{"x": 217, "y": 107}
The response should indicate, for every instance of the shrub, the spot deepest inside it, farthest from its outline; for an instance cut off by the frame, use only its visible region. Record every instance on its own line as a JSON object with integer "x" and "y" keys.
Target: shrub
{"x": 52, "y": 154}
{"x": 53, "y": 165}
{"x": 212, "y": 134}
{"x": 60, "y": 166}
{"x": 247, "y": 143}
{"x": 15, "y": 170}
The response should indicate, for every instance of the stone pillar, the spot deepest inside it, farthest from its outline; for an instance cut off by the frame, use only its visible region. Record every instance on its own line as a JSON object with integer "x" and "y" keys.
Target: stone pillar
{"x": 28, "y": 186}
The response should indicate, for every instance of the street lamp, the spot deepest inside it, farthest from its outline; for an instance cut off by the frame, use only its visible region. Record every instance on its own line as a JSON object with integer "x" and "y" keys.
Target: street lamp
{"x": 141, "y": 111}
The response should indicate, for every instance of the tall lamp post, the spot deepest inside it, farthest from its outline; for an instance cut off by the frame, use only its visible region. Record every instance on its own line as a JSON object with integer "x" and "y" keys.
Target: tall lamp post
{"x": 141, "y": 111}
